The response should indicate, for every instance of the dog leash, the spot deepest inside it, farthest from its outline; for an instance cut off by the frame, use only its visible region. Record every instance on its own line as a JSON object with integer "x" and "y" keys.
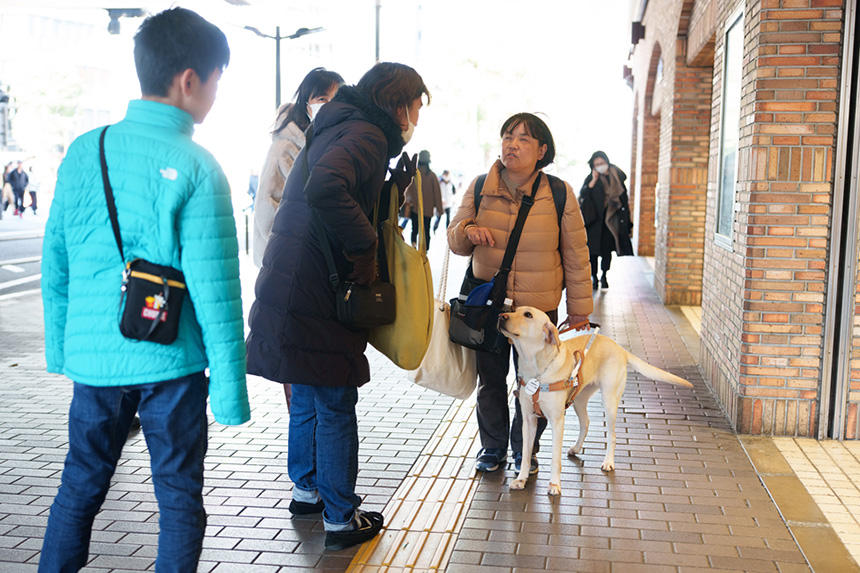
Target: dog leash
{"x": 533, "y": 387}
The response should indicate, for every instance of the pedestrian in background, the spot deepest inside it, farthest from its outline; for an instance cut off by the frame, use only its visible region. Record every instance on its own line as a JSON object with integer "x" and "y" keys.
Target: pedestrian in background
{"x": 552, "y": 255}
{"x": 430, "y": 196}
{"x": 295, "y": 335}
{"x": 605, "y": 211}
{"x": 448, "y": 192}
{"x": 7, "y": 196}
{"x": 33, "y": 189}
{"x": 288, "y": 138}
{"x": 19, "y": 180}
{"x": 173, "y": 206}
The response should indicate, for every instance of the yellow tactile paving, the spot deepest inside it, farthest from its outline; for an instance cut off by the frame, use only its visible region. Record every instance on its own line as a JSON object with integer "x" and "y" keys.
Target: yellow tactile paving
{"x": 830, "y": 472}
{"x": 694, "y": 315}
{"x": 426, "y": 513}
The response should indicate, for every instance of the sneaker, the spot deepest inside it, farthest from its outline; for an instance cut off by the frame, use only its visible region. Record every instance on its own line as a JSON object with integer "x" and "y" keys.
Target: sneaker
{"x": 367, "y": 525}
{"x": 604, "y": 284}
{"x": 489, "y": 459}
{"x": 518, "y": 463}
{"x": 305, "y": 508}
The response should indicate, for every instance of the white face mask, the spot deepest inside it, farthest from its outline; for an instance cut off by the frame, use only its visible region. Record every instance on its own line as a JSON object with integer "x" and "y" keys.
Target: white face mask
{"x": 314, "y": 109}
{"x": 602, "y": 169}
{"x": 407, "y": 135}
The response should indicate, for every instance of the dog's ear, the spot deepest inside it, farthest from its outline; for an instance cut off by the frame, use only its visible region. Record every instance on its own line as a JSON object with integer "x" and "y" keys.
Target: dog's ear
{"x": 551, "y": 334}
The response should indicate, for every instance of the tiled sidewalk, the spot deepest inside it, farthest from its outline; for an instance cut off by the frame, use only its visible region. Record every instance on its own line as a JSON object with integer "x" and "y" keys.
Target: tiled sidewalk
{"x": 683, "y": 497}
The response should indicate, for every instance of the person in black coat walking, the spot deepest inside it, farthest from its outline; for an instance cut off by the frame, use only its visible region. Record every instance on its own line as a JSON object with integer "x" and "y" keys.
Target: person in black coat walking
{"x": 605, "y": 210}
{"x": 295, "y": 336}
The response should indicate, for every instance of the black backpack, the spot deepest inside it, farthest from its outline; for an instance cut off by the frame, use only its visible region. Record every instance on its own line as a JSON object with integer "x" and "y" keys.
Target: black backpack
{"x": 559, "y": 194}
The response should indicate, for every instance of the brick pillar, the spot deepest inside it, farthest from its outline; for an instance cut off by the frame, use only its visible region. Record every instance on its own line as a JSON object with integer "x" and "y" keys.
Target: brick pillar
{"x": 683, "y": 194}
{"x": 769, "y": 380}
{"x": 646, "y": 182}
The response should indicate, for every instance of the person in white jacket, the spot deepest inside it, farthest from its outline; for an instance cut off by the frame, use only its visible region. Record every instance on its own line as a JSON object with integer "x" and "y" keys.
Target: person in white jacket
{"x": 288, "y": 138}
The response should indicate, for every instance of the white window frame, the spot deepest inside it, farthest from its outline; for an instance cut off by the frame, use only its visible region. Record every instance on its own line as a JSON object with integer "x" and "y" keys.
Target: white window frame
{"x": 721, "y": 239}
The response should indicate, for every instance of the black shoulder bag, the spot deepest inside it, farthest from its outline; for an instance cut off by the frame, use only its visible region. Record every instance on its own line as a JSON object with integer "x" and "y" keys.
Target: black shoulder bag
{"x": 358, "y": 306}
{"x": 475, "y": 313}
{"x": 152, "y": 294}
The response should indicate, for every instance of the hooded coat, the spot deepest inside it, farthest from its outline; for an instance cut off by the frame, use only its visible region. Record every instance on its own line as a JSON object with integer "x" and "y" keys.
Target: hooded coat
{"x": 606, "y": 222}
{"x": 295, "y": 336}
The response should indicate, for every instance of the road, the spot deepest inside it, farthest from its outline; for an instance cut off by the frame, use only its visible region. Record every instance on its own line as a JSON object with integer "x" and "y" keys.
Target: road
{"x": 20, "y": 260}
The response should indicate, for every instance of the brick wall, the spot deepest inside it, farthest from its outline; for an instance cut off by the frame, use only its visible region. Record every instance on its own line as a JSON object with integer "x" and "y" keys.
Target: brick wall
{"x": 852, "y": 422}
{"x": 780, "y": 234}
{"x": 674, "y": 152}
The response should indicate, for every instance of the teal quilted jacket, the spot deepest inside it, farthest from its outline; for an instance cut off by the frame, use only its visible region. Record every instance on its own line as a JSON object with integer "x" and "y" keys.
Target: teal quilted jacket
{"x": 174, "y": 209}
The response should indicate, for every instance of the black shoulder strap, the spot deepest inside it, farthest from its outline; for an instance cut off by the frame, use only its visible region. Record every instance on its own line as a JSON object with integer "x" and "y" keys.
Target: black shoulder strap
{"x": 559, "y": 195}
{"x": 479, "y": 186}
{"x": 111, "y": 204}
{"x": 514, "y": 238}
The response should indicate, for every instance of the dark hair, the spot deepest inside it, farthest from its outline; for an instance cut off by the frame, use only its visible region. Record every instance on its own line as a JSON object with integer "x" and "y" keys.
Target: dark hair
{"x": 536, "y": 128}
{"x": 391, "y": 86}
{"x": 595, "y": 155}
{"x": 317, "y": 82}
{"x": 173, "y": 41}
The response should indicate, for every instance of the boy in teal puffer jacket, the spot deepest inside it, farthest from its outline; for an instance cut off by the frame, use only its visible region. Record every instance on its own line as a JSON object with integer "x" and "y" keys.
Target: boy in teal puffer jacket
{"x": 174, "y": 209}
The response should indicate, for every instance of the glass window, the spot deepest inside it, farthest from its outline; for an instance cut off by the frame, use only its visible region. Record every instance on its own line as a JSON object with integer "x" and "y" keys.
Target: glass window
{"x": 730, "y": 128}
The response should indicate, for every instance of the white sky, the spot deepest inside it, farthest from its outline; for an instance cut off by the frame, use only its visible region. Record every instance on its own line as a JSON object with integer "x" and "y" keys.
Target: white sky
{"x": 482, "y": 60}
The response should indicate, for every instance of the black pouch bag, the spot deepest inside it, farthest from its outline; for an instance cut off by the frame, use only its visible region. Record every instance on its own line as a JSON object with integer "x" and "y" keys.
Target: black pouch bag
{"x": 475, "y": 313}
{"x": 358, "y": 307}
{"x": 152, "y": 295}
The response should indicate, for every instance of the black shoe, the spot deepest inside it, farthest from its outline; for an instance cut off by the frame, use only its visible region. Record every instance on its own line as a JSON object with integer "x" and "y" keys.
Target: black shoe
{"x": 604, "y": 284}
{"x": 305, "y": 508}
{"x": 518, "y": 464}
{"x": 594, "y": 282}
{"x": 368, "y": 524}
{"x": 489, "y": 459}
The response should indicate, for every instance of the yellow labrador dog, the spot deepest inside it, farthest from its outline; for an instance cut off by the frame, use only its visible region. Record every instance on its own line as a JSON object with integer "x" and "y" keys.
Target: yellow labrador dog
{"x": 545, "y": 358}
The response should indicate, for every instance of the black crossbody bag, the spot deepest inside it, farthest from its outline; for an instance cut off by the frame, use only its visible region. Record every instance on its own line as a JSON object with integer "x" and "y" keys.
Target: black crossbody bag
{"x": 152, "y": 294}
{"x": 358, "y": 306}
{"x": 475, "y": 324}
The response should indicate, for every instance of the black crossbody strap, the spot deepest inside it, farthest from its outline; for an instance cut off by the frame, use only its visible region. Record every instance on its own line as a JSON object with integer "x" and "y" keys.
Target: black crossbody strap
{"x": 111, "y": 204}
{"x": 514, "y": 238}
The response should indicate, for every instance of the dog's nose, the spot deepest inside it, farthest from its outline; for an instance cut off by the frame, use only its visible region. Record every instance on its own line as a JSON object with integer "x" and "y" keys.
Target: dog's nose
{"x": 503, "y": 317}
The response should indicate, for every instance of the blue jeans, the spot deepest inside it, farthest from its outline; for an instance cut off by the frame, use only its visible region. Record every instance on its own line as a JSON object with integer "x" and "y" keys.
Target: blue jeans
{"x": 173, "y": 419}
{"x": 322, "y": 452}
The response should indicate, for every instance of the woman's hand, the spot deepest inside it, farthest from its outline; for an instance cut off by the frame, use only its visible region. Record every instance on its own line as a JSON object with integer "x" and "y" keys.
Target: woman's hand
{"x": 574, "y": 322}
{"x": 479, "y": 236}
{"x": 594, "y": 177}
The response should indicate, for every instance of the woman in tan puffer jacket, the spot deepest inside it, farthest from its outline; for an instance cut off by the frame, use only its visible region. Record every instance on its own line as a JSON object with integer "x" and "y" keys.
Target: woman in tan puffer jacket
{"x": 548, "y": 260}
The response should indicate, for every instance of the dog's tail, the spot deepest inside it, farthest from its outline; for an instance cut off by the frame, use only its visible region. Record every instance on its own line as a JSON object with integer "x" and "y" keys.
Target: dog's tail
{"x": 655, "y": 373}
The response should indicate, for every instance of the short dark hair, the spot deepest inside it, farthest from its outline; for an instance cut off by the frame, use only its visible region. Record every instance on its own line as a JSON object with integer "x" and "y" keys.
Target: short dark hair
{"x": 536, "y": 128}
{"x": 316, "y": 83}
{"x": 173, "y": 41}
{"x": 391, "y": 85}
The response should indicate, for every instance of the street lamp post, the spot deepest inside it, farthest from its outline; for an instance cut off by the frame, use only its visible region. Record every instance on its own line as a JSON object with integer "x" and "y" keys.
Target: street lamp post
{"x": 277, "y": 38}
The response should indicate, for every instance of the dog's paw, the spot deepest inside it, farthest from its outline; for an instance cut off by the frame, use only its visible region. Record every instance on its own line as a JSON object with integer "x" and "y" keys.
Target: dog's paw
{"x": 574, "y": 451}
{"x": 518, "y": 484}
{"x": 554, "y": 489}
{"x": 608, "y": 465}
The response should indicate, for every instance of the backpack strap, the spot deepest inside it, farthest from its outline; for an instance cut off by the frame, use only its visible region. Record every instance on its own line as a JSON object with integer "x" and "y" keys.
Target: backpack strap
{"x": 559, "y": 194}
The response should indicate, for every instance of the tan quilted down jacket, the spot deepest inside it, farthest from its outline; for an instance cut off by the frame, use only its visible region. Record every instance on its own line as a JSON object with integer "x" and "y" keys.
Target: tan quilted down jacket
{"x": 537, "y": 274}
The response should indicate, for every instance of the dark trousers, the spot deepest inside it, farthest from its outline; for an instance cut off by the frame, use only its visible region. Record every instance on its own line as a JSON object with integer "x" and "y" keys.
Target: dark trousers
{"x": 173, "y": 417}
{"x": 492, "y": 403}
{"x": 414, "y": 218}
{"x": 19, "y": 200}
{"x": 33, "y": 203}
{"x": 605, "y": 263}
{"x": 447, "y": 219}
